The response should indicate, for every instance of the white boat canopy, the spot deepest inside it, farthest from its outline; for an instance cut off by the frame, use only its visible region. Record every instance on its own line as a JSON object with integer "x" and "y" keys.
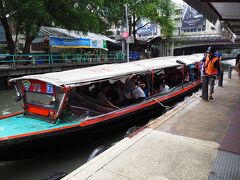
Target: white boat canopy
{"x": 86, "y": 75}
{"x": 189, "y": 59}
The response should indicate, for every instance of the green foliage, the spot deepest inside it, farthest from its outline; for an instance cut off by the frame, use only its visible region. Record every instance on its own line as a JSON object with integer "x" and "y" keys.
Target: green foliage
{"x": 154, "y": 11}
{"x": 27, "y": 16}
{"x": 76, "y": 14}
{"x": 3, "y": 49}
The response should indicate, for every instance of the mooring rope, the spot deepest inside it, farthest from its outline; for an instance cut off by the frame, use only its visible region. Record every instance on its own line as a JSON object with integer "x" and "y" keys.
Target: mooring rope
{"x": 167, "y": 107}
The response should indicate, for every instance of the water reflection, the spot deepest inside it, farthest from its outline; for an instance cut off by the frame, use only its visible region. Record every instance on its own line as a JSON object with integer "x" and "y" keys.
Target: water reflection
{"x": 230, "y": 62}
{"x": 7, "y": 102}
{"x": 60, "y": 161}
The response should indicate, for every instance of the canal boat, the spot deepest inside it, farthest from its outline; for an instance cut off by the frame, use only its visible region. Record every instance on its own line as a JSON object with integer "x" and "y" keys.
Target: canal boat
{"x": 58, "y": 104}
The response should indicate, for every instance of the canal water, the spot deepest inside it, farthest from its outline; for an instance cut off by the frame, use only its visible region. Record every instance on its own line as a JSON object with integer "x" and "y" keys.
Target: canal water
{"x": 7, "y": 102}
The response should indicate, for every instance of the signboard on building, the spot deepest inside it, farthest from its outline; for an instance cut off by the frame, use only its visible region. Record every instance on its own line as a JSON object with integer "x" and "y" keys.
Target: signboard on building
{"x": 125, "y": 34}
{"x": 130, "y": 39}
{"x": 192, "y": 20}
{"x": 58, "y": 42}
{"x": 146, "y": 29}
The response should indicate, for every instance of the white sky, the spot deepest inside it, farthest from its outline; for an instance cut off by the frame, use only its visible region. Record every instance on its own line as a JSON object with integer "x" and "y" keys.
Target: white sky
{"x": 178, "y": 1}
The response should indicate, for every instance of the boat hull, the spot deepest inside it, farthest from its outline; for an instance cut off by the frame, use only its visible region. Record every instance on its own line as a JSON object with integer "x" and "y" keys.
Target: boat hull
{"x": 34, "y": 143}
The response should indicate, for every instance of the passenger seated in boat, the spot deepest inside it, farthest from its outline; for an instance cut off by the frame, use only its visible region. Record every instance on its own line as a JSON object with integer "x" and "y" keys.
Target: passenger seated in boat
{"x": 137, "y": 93}
{"x": 123, "y": 96}
{"x": 102, "y": 95}
{"x": 142, "y": 82}
{"x": 113, "y": 94}
{"x": 83, "y": 90}
{"x": 175, "y": 79}
{"x": 119, "y": 86}
{"x": 79, "y": 103}
{"x": 192, "y": 72}
{"x": 97, "y": 88}
{"x": 164, "y": 88}
{"x": 186, "y": 77}
{"x": 145, "y": 89}
{"x": 128, "y": 86}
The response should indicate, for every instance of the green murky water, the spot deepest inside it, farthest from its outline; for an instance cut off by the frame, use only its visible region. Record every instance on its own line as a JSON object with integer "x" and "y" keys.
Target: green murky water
{"x": 7, "y": 102}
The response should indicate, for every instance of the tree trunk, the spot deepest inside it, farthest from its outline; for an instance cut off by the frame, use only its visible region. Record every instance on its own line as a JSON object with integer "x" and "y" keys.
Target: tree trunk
{"x": 134, "y": 31}
{"x": 29, "y": 38}
{"x": 8, "y": 34}
{"x": 130, "y": 26}
{"x": 28, "y": 42}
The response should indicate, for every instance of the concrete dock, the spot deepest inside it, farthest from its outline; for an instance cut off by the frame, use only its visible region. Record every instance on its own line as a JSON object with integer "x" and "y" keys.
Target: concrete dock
{"x": 195, "y": 140}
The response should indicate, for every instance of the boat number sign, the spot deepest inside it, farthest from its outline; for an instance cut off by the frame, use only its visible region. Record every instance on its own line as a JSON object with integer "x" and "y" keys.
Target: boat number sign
{"x": 37, "y": 86}
{"x": 49, "y": 88}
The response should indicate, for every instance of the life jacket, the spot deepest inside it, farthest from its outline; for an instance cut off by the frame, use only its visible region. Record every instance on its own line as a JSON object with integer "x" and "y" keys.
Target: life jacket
{"x": 210, "y": 69}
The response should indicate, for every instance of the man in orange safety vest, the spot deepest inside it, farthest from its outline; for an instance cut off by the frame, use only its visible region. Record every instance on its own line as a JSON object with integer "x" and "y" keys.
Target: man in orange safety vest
{"x": 212, "y": 68}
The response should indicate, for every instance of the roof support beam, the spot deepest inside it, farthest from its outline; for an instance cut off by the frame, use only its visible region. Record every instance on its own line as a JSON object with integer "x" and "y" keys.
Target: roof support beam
{"x": 234, "y": 20}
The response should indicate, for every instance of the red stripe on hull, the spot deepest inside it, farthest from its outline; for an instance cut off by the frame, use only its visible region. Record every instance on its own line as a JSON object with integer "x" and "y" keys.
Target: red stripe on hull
{"x": 10, "y": 115}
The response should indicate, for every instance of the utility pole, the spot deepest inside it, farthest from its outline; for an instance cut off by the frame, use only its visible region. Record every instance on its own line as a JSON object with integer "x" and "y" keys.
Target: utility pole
{"x": 127, "y": 29}
{"x": 123, "y": 40}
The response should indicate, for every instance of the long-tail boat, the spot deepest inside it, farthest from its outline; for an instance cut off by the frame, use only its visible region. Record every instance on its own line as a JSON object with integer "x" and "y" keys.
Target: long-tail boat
{"x": 61, "y": 103}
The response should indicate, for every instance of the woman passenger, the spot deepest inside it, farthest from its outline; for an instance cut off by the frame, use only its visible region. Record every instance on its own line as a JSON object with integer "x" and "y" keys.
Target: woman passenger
{"x": 102, "y": 95}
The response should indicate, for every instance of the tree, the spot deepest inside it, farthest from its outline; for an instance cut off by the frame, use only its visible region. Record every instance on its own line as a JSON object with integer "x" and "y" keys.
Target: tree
{"x": 28, "y": 16}
{"x": 4, "y": 21}
{"x": 154, "y": 11}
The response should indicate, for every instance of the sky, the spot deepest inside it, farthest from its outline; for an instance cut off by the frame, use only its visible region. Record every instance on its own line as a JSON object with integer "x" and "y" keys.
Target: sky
{"x": 178, "y": 1}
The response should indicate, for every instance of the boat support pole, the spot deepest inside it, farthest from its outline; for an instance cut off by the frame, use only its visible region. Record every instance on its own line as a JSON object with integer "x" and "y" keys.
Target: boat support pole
{"x": 19, "y": 95}
{"x": 220, "y": 80}
{"x": 60, "y": 108}
{"x": 205, "y": 87}
{"x": 230, "y": 68}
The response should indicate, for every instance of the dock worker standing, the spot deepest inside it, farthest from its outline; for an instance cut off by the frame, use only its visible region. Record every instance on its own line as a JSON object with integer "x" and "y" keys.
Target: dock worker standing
{"x": 212, "y": 68}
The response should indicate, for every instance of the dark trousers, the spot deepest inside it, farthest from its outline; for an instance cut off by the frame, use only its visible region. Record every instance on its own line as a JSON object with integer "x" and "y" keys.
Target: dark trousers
{"x": 212, "y": 83}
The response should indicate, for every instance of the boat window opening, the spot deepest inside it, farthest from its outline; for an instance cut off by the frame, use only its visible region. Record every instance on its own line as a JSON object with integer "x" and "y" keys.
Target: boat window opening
{"x": 79, "y": 103}
{"x": 166, "y": 80}
{"x": 161, "y": 71}
{"x": 19, "y": 88}
{"x": 174, "y": 77}
{"x": 59, "y": 94}
{"x": 193, "y": 72}
{"x": 116, "y": 90}
{"x": 109, "y": 95}
{"x": 40, "y": 99}
{"x": 186, "y": 77}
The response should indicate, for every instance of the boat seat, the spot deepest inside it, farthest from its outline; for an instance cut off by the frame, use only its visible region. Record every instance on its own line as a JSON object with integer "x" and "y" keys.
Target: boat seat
{"x": 81, "y": 111}
{"x": 81, "y": 101}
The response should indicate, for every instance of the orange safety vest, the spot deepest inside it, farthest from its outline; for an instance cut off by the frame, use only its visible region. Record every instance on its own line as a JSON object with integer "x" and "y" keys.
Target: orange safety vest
{"x": 209, "y": 66}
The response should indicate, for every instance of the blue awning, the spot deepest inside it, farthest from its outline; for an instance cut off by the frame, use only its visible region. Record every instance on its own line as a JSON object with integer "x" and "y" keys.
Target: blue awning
{"x": 76, "y": 43}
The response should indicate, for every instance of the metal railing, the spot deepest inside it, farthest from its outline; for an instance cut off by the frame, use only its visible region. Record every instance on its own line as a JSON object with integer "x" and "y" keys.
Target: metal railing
{"x": 17, "y": 60}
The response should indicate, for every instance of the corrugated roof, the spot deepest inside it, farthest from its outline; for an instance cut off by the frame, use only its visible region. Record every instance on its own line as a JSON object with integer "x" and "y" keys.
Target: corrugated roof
{"x": 64, "y": 33}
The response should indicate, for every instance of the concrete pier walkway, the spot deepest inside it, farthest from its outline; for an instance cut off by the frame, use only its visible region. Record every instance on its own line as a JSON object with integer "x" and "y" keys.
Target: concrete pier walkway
{"x": 195, "y": 140}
